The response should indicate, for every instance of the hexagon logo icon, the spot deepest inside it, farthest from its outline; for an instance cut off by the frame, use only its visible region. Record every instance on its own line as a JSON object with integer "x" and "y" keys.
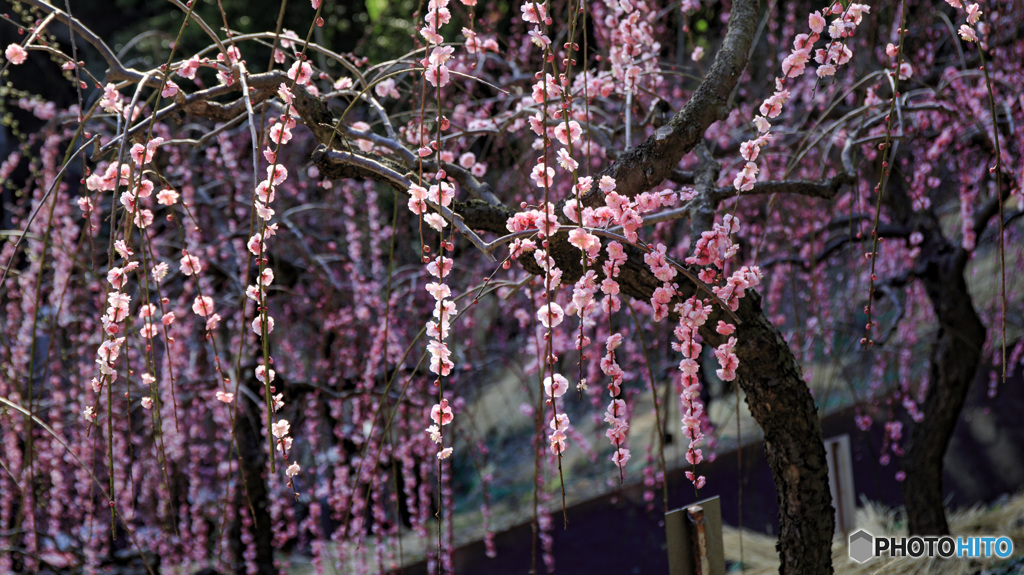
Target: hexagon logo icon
{"x": 861, "y": 544}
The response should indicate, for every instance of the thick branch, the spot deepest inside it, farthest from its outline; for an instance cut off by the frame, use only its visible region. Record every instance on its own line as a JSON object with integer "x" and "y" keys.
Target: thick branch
{"x": 647, "y": 165}
{"x": 483, "y": 216}
{"x": 337, "y": 164}
{"x": 835, "y": 243}
{"x": 825, "y": 190}
{"x": 313, "y": 111}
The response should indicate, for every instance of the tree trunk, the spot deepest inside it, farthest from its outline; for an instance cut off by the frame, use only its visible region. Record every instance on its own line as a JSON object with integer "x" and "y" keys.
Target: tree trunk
{"x": 253, "y": 498}
{"x": 956, "y": 353}
{"x": 953, "y": 362}
{"x": 781, "y": 403}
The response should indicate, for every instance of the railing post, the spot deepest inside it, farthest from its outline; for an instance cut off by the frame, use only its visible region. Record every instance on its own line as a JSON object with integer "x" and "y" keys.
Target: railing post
{"x": 694, "y": 535}
{"x": 840, "y": 482}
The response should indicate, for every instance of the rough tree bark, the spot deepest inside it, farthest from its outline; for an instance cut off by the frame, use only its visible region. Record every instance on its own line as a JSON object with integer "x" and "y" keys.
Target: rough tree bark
{"x": 953, "y": 361}
{"x": 955, "y": 355}
{"x": 782, "y": 405}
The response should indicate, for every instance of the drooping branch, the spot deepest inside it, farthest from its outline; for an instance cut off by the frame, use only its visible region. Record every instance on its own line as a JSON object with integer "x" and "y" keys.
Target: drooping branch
{"x": 337, "y": 164}
{"x": 313, "y": 111}
{"x": 117, "y": 69}
{"x": 836, "y": 243}
{"x": 781, "y": 403}
{"x": 824, "y": 190}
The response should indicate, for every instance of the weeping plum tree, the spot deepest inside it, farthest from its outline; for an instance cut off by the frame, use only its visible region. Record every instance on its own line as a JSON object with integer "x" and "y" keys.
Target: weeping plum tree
{"x": 249, "y": 282}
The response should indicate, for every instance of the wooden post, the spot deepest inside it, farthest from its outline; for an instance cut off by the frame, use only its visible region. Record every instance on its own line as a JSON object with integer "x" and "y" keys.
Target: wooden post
{"x": 694, "y": 536}
{"x": 840, "y": 482}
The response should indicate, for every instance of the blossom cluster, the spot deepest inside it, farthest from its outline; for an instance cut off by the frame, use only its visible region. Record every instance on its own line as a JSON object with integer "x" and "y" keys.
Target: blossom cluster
{"x": 829, "y": 59}
{"x": 634, "y": 49}
{"x": 437, "y": 14}
{"x": 693, "y": 314}
{"x": 442, "y": 194}
{"x": 609, "y": 286}
{"x": 535, "y": 12}
{"x": 137, "y": 189}
{"x": 714, "y": 247}
{"x": 438, "y": 196}
{"x": 441, "y": 414}
{"x": 444, "y": 311}
{"x": 278, "y": 134}
{"x": 542, "y": 223}
{"x": 969, "y": 31}
{"x": 617, "y": 417}
{"x": 616, "y": 414}
{"x": 555, "y": 387}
